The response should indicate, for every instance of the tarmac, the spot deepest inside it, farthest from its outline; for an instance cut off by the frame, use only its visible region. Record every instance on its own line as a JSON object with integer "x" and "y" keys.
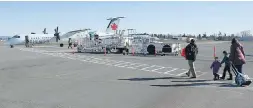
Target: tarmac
{"x": 54, "y": 77}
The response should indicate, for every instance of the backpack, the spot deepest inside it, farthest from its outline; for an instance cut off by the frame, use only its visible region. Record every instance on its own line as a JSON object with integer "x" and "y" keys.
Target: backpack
{"x": 191, "y": 52}
{"x": 192, "y": 49}
{"x": 241, "y": 79}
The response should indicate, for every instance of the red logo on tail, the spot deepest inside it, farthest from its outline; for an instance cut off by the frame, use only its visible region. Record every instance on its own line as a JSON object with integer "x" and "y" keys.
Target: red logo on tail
{"x": 114, "y": 26}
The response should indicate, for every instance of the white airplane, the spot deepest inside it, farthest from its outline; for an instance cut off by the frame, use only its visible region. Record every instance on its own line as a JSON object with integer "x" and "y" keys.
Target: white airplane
{"x": 74, "y": 35}
{"x": 32, "y": 38}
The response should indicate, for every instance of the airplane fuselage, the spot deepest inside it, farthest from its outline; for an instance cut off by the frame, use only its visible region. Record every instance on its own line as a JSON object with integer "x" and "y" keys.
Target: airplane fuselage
{"x": 33, "y": 38}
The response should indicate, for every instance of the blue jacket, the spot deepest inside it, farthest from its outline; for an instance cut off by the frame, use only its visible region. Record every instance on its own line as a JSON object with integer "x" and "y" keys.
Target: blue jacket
{"x": 216, "y": 66}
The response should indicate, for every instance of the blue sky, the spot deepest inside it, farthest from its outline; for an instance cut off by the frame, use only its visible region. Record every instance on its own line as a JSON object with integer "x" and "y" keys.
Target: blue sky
{"x": 150, "y": 17}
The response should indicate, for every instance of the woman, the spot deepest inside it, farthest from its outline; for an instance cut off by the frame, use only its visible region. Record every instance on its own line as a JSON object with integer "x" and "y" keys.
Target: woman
{"x": 237, "y": 56}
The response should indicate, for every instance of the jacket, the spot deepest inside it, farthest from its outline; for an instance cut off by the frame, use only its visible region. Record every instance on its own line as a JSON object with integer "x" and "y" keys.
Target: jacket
{"x": 226, "y": 61}
{"x": 216, "y": 66}
{"x": 188, "y": 51}
{"x": 237, "y": 56}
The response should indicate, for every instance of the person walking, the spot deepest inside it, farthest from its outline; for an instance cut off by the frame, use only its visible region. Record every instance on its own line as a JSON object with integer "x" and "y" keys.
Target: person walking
{"x": 237, "y": 55}
{"x": 216, "y": 67}
{"x": 70, "y": 43}
{"x": 227, "y": 66}
{"x": 191, "y": 52}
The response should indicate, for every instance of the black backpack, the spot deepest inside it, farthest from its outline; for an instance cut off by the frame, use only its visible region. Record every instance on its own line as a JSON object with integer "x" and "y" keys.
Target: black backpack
{"x": 192, "y": 51}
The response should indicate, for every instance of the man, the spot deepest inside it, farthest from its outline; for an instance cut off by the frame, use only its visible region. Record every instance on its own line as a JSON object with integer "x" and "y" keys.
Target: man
{"x": 126, "y": 50}
{"x": 191, "y": 52}
{"x": 70, "y": 43}
{"x": 26, "y": 42}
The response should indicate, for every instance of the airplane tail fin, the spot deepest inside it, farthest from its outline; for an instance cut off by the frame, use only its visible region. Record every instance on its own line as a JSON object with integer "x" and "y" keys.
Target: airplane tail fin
{"x": 113, "y": 24}
{"x": 44, "y": 31}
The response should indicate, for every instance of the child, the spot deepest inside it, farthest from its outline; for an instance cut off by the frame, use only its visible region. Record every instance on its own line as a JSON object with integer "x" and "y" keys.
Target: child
{"x": 216, "y": 66}
{"x": 227, "y": 66}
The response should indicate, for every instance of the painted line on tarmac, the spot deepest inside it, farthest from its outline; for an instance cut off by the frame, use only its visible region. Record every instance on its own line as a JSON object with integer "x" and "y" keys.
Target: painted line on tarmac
{"x": 121, "y": 64}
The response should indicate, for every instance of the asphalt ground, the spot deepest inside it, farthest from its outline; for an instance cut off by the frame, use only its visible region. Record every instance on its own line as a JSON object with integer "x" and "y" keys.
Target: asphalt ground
{"x": 53, "y": 77}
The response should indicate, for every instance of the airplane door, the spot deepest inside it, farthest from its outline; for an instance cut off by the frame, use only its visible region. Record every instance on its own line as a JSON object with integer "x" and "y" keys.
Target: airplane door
{"x": 26, "y": 41}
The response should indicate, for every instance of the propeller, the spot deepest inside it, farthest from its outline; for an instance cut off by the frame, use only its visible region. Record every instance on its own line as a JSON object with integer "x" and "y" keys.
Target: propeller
{"x": 57, "y": 34}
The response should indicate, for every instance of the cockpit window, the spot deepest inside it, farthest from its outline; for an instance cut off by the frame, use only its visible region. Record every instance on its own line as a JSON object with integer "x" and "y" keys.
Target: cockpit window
{"x": 16, "y": 36}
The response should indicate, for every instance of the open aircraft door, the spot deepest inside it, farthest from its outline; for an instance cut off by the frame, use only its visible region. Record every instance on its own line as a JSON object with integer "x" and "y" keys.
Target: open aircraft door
{"x": 27, "y": 41}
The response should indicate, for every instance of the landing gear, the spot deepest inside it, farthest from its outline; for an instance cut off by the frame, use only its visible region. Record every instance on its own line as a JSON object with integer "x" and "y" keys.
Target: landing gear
{"x": 11, "y": 46}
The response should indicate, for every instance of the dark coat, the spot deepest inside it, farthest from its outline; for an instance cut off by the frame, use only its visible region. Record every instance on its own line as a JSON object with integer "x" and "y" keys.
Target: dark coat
{"x": 189, "y": 55}
{"x": 237, "y": 56}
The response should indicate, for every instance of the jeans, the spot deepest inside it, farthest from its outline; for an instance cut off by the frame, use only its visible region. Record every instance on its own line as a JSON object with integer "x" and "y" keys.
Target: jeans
{"x": 192, "y": 68}
{"x": 227, "y": 68}
{"x": 239, "y": 68}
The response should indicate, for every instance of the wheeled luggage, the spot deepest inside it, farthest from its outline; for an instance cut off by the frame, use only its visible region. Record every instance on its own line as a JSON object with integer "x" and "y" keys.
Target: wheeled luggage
{"x": 241, "y": 79}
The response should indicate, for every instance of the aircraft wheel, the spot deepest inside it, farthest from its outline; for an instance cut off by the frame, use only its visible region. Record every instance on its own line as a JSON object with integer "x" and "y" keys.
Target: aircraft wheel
{"x": 11, "y": 46}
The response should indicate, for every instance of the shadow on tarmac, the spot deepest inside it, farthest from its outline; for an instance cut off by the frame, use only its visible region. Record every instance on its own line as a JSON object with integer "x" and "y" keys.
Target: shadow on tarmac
{"x": 146, "y": 79}
{"x": 199, "y": 83}
{"x": 193, "y": 82}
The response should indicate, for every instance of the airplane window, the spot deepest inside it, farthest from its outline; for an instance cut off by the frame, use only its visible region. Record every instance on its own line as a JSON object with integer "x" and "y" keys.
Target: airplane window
{"x": 16, "y": 36}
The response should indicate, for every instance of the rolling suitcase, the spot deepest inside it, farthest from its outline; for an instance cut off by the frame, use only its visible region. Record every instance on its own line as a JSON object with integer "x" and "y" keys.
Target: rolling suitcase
{"x": 241, "y": 79}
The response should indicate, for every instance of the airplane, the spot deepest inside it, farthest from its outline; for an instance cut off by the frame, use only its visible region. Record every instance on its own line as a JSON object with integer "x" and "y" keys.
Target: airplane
{"x": 75, "y": 36}
{"x": 33, "y": 38}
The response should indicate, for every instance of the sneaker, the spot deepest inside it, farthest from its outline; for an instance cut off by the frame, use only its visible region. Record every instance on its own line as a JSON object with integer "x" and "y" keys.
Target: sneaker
{"x": 222, "y": 78}
{"x": 187, "y": 74}
{"x": 193, "y": 77}
{"x": 229, "y": 79}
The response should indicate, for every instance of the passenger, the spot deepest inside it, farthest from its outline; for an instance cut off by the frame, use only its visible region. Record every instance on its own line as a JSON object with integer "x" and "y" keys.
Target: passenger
{"x": 227, "y": 66}
{"x": 126, "y": 48}
{"x": 237, "y": 56}
{"x": 191, "y": 52}
{"x": 216, "y": 67}
{"x": 70, "y": 43}
{"x": 26, "y": 42}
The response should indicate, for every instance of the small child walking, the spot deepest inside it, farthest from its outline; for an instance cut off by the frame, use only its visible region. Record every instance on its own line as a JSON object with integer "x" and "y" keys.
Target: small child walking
{"x": 227, "y": 66}
{"x": 216, "y": 66}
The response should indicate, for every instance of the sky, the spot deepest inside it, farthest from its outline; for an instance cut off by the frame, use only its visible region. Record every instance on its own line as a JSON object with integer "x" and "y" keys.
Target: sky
{"x": 150, "y": 17}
